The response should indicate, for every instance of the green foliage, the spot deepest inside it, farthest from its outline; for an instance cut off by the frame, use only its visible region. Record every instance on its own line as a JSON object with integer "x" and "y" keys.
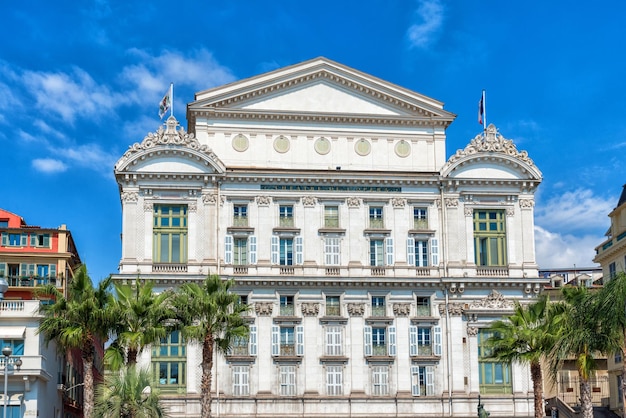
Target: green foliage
{"x": 140, "y": 318}
{"x": 128, "y": 393}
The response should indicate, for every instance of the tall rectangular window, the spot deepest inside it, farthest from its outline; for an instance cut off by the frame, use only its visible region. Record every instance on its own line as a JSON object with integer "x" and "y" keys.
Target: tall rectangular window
{"x": 490, "y": 237}
{"x": 334, "y": 380}
{"x": 376, "y": 217}
{"x": 286, "y": 252}
{"x": 420, "y": 219}
{"x": 241, "y": 380}
{"x": 423, "y": 306}
{"x": 422, "y": 380}
{"x": 240, "y": 215}
{"x": 379, "y": 345}
{"x": 378, "y": 306}
{"x": 494, "y": 377}
{"x": 170, "y": 234}
{"x": 333, "y": 340}
{"x": 331, "y": 251}
{"x": 285, "y": 216}
{"x": 332, "y": 306}
{"x": 240, "y": 251}
{"x": 612, "y": 270}
{"x": 379, "y": 340}
{"x": 331, "y": 216}
{"x": 286, "y": 306}
{"x": 287, "y": 380}
{"x": 417, "y": 252}
{"x": 377, "y": 252}
{"x": 380, "y": 380}
{"x": 169, "y": 362}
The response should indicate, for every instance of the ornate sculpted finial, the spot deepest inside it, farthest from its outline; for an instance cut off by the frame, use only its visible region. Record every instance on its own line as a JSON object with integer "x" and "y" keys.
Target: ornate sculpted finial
{"x": 491, "y": 141}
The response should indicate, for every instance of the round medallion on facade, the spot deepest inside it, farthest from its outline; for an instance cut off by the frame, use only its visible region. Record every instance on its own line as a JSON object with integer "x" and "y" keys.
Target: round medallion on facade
{"x": 281, "y": 144}
{"x": 240, "y": 143}
{"x": 362, "y": 147}
{"x": 403, "y": 149}
{"x": 322, "y": 146}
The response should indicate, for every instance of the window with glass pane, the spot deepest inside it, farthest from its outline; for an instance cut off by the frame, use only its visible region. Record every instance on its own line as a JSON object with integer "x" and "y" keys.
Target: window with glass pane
{"x": 287, "y": 306}
{"x": 240, "y": 251}
{"x": 241, "y": 379}
{"x": 422, "y": 381}
{"x": 16, "y": 345}
{"x": 490, "y": 238}
{"x": 170, "y": 233}
{"x": 331, "y": 216}
{"x": 285, "y": 215}
{"x": 240, "y": 346}
{"x": 331, "y": 251}
{"x": 494, "y": 377}
{"x": 376, "y": 217}
{"x": 379, "y": 346}
{"x": 287, "y": 380}
{"x": 612, "y": 270}
{"x": 287, "y": 341}
{"x": 380, "y": 377}
{"x": 423, "y": 306}
{"x": 378, "y": 306}
{"x": 420, "y": 219}
{"x": 424, "y": 342}
{"x": 286, "y": 252}
{"x": 169, "y": 360}
{"x": 332, "y": 306}
{"x": 240, "y": 215}
{"x": 334, "y": 379}
{"x": 333, "y": 340}
{"x": 40, "y": 240}
{"x": 421, "y": 253}
{"x": 377, "y": 252}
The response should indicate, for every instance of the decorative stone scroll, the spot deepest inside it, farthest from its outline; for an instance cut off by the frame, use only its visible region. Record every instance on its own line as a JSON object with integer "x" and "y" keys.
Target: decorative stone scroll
{"x": 169, "y": 136}
{"x": 192, "y": 207}
{"x": 472, "y": 331}
{"x": 510, "y": 211}
{"x": 401, "y": 309}
{"x": 451, "y": 202}
{"x": 211, "y": 199}
{"x": 398, "y": 202}
{"x": 148, "y": 206}
{"x": 310, "y": 308}
{"x": 526, "y": 203}
{"x": 263, "y": 200}
{"x": 468, "y": 210}
{"x": 263, "y": 308}
{"x": 495, "y": 300}
{"x": 353, "y": 202}
{"x": 356, "y": 309}
{"x": 309, "y": 201}
{"x": 491, "y": 141}
{"x": 453, "y": 309}
{"x": 130, "y": 197}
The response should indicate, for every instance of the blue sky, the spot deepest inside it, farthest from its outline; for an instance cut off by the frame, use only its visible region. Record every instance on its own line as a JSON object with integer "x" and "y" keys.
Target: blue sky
{"x": 81, "y": 81}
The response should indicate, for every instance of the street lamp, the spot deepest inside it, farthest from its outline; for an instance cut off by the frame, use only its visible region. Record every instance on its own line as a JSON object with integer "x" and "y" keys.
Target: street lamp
{"x": 6, "y": 352}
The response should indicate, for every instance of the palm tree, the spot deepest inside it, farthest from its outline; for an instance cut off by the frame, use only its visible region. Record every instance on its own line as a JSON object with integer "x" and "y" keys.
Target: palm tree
{"x": 141, "y": 318}
{"x": 79, "y": 321}
{"x": 128, "y": 393}
{"x": 583, "y": 336}
{"x": 525, "y": 337}
{"x": 613, "y": 308}
{"x": 210, "y": 315}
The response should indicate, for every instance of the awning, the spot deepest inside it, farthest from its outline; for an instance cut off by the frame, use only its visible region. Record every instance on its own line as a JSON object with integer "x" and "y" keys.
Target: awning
{"x": 12, "y": 333}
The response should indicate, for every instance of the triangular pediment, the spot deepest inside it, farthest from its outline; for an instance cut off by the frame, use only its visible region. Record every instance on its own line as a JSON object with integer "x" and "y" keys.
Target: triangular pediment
{"x": 319, "y": 86}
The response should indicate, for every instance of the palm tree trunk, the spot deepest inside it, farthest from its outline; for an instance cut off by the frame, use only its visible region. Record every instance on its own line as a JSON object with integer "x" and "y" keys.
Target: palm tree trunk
{"x": 586, "y": 406}
{"x": 88, "y": 387}
{"x": 535, "y": 375}
{"x": 205, "y": 384}
{"x": 624, "y": 379}
{"x": 131, "y": 357}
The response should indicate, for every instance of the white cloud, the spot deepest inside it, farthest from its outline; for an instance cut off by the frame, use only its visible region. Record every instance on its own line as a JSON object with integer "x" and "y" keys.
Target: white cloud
{"x": 49, "y": 165}
{"x": 578, "y": 211}
{"x": 71, "y": 95}
{"x": 430, "y": 20}
{"x": 554, "y": 250}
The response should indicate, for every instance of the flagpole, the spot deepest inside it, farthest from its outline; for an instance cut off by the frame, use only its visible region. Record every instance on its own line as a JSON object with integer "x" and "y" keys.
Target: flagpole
{"x": 172, "y": 99}
{"x": 484, "y": 112}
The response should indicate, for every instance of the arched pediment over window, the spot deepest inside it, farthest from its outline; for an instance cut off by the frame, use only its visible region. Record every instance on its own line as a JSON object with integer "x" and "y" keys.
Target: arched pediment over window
{"x": 170, "y": 151}
{"x": 490, "y": 156}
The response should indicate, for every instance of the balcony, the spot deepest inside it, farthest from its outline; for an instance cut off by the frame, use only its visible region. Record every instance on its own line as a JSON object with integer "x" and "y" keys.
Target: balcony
{"x": 31, "y": 281}
{"x": 240, "y": 270}
{"x": 333, "y": 310}
{"x": 378, "y": 271}
{"x": 379, "y": 310}
{"x": 492, "y": 271}
{"x": 422, "y": 311}
{"x": 377, "y": 223}
{"x": 285, "y": 222}
{"x": 288, "y": 350}
{"x": 379, "y": 350}
{"x": 331, "y": 222}
{"x": 420, "y": 224}
{"x": 287, "y": 310}
{"x": 169, "y": 268}
{"x": 287, "y": 270}
{"x": 240, "y": 350}
{"x": 425, "y": 350}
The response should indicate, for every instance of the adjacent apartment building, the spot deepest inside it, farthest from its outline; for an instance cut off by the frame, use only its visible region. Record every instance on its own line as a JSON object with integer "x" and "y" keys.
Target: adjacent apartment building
{"x": 372, "y": 259}
{"x": 32, "y": 256}
{"x": 611, "y": 255}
